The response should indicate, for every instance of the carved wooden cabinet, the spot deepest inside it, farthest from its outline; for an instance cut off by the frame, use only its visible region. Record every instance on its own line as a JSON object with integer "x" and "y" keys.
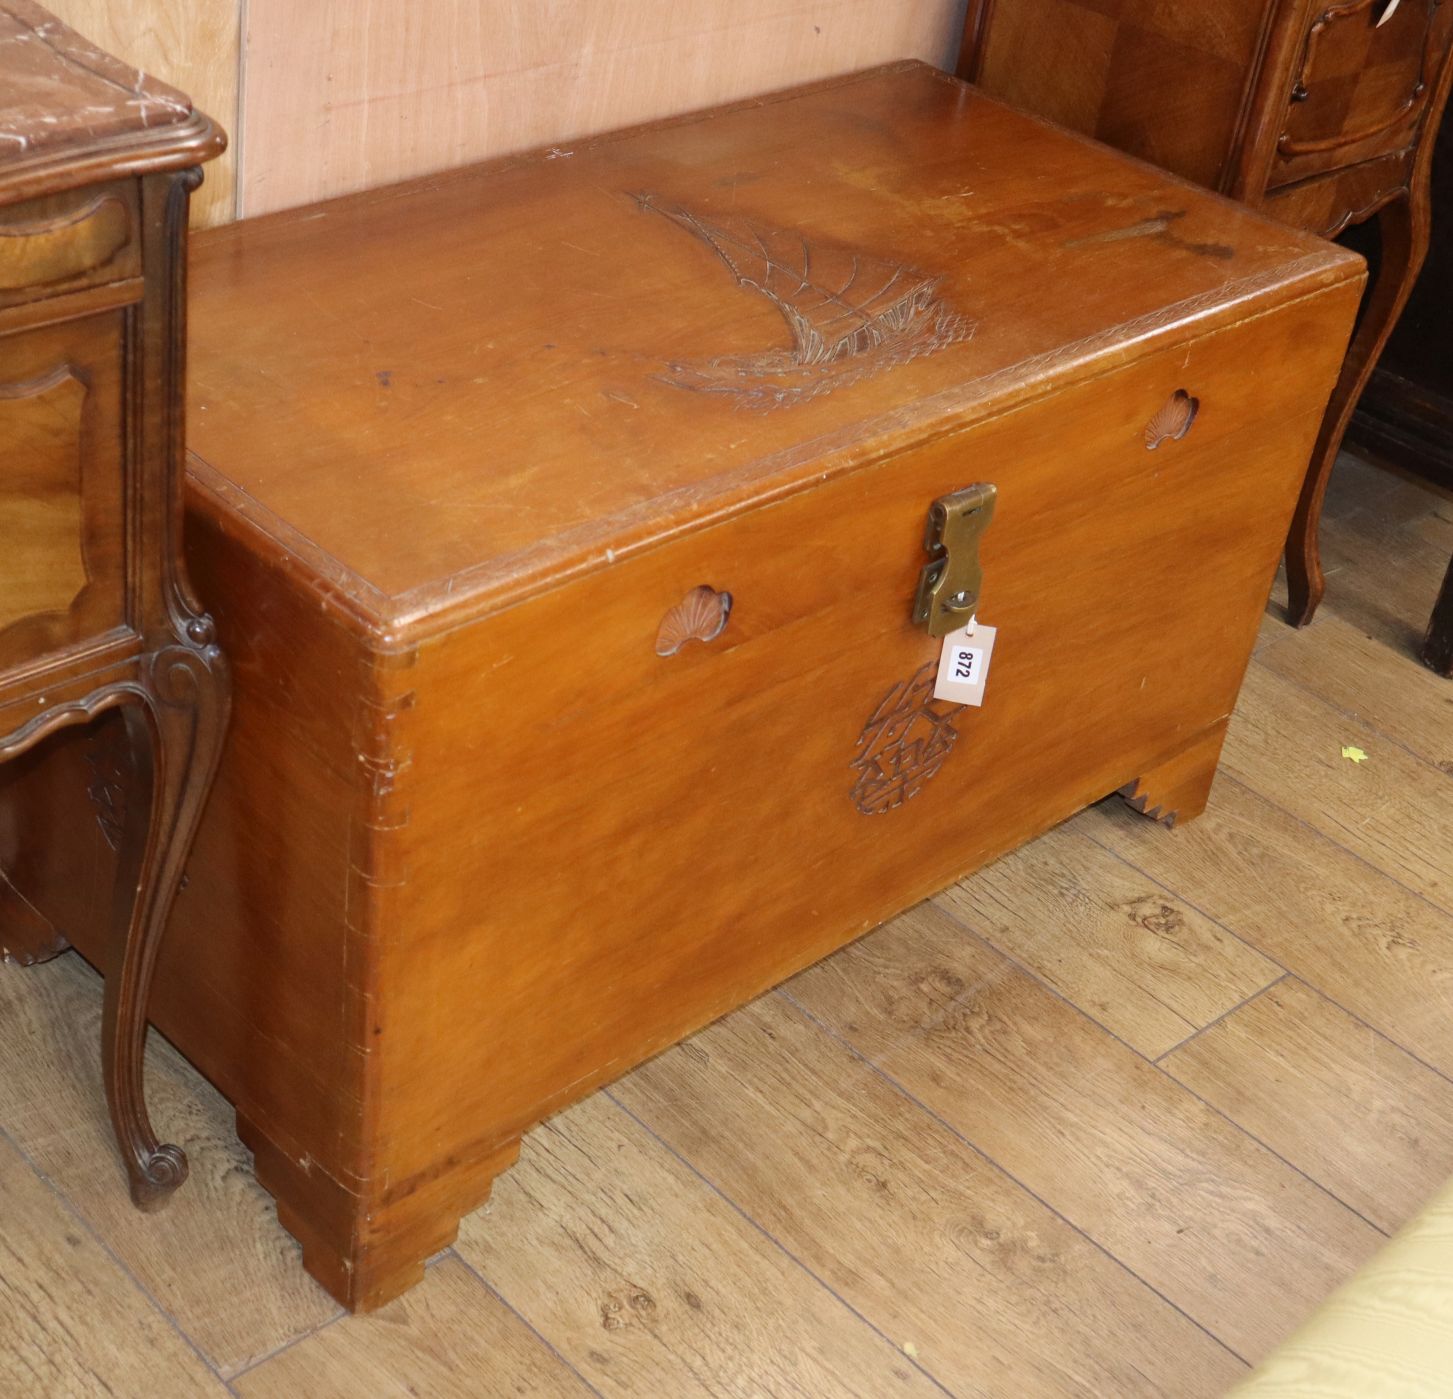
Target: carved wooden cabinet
{"x": 96, "y": 165}
{"x": 1406, "y": 414}
{"x": 1319, "y": 113}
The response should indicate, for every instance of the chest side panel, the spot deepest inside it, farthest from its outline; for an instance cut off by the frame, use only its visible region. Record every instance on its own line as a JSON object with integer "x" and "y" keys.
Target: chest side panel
{"x": 607, "y": 847}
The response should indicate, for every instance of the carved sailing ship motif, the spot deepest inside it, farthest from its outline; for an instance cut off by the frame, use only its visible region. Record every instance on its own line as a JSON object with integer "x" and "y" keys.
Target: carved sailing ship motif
{"x": 851, "y": 314}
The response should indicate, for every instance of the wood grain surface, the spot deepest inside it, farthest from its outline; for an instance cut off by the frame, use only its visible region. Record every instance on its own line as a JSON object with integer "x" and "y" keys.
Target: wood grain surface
{"x": 387, "y": 92}
{"x": 72, "y": 1322}
{"x": 1355, "y": 674}
{"x": 1164, "y": 82}
{"x": 237, "y": 1303}
{"x": 98, "y": 166}
{"x": 380, "y": 592}
{"x": 1368, "y": 942}
{"x": 577, "y": 313}
{"x": 648, "y": 1281}
{"x": 1325, "y": 116}
{"x": 1290, "y": 1066}
{"x": 1064, "y": 1107}
{"x": 1368, "y": 508}
{"x": 1392, "y": 809}
{"x": 903, "y": 1209}
{"x": 452, "y": 1338}
{"x": 1147, "y": 965}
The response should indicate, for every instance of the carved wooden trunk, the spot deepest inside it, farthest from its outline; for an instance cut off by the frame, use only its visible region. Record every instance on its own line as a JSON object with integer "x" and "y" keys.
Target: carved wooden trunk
{"x": 515, "y": 795}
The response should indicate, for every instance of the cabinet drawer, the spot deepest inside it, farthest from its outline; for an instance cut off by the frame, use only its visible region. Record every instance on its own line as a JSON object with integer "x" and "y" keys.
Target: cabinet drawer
{"x": 1363, "y": 77}
{"x": 64, "y": 241}
{"x": 1327, "y": 204}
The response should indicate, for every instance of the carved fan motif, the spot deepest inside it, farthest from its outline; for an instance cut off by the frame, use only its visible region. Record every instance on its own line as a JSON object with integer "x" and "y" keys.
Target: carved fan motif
{"x": 700, "y": 616}
{"x": 1173, "y": 421}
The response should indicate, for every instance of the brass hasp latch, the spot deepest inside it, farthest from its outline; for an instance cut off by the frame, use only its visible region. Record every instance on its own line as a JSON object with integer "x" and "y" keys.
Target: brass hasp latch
{"x": 949, "y": 587}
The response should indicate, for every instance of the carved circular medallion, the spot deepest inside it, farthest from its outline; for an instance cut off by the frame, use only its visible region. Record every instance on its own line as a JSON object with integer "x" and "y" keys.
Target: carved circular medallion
{"x": 907, "y": 738}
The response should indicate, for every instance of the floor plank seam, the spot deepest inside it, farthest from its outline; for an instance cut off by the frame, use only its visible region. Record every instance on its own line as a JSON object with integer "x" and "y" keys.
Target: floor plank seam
{"x": 287, "y": 1345}
{"x": 1271, "y": 1150}
{"x": 1225, "y": 1015}
{"x": 895, "y": 1346}
{"x": 1347, "y": 849}
{"x": 524, "y": 1321}
{"x": 906, "y": 1093}
{"x": 1161, "y": 1069}
{"x": 85, "y": 1223}
{"x": 1261, "y": 951}
{"x": 1053, "y": 937}
{"x": 1356, "y": 718}
{"x": 1370, "y": 1027}
{"x": 1182, "y": 898}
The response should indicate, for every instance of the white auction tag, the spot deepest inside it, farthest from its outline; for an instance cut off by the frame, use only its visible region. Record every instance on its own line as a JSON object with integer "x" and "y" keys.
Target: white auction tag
{"x": 963, "y": 664}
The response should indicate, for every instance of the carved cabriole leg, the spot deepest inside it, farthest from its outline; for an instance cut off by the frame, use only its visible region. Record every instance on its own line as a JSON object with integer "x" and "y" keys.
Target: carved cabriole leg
{"x": 1176, "y": 790}
{"x": 178, "y": 713}
{"x": 1437, "y": 649}
{"x": 369, "y": 1244}
{"x": 1404, "y": 226}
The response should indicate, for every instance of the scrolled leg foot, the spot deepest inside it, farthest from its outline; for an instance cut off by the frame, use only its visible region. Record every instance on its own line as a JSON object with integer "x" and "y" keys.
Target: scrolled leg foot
{"x": 154, "y": 1179}
{"x": 177, "y": 713}
{"x": 1437, "y": 652}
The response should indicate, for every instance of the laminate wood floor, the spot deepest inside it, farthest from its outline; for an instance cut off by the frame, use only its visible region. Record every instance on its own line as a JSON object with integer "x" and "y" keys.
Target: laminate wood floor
{"x": 1106, "y": 1119}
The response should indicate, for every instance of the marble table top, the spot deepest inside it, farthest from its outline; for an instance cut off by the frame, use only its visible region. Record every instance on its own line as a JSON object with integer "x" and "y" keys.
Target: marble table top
{"x": 58, "y": 90}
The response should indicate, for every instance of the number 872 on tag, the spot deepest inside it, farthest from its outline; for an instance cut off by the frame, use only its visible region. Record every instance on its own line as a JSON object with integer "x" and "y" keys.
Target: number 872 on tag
{"x": 963, "y": 666}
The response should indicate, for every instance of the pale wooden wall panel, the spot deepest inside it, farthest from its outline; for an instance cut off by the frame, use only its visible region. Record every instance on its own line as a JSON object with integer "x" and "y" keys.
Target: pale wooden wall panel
{"x": 191, "y": 44}
{"x": 346, "y": 94}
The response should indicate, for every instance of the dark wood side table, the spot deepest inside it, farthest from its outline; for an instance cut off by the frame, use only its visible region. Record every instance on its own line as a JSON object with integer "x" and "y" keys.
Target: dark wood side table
{"x": 1405, "y": 415}
{"x": 1317, "y": 111}
{"x": 1437, "y": 650}
{"x": 97, "y": 163}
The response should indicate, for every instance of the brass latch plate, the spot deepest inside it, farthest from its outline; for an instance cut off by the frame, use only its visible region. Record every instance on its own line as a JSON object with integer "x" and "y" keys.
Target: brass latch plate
{"x": 949, "y": 587}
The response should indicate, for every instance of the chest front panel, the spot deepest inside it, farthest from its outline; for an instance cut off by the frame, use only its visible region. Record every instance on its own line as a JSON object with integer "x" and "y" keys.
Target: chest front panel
{"x": 595, "y": 828}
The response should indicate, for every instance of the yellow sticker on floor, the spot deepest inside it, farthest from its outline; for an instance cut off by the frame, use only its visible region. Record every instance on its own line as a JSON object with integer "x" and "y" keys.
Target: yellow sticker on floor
{"x": 1354, "y": 755}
